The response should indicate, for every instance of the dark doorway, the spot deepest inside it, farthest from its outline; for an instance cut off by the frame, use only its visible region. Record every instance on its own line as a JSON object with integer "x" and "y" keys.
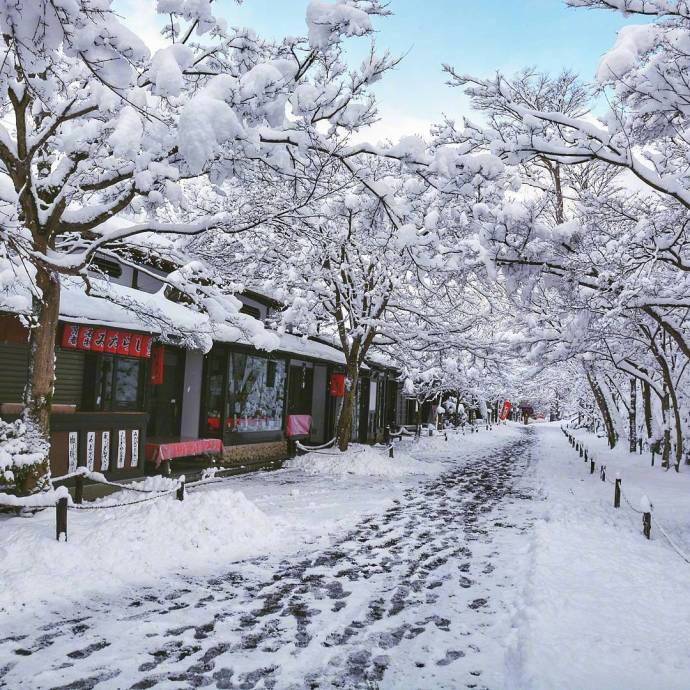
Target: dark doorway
{"x": 300, "y": 389}
{"x": 165, "y": 399}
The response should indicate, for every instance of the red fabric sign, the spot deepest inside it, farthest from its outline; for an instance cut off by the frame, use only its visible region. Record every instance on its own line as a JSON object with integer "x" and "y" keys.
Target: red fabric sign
{"x": 137, "y": 345}
{"x": 507, "y": 407}
{"x": 70, "y": 336}
{"x": 337, "y": 387}
{"x": 148, "y": 343}
{"x": 85, "y": 337}
{"x": 157, "y": 365}
{"x": 102, "y": 339}
{"x": 98, "y": 342}
{"x": 125, "y": 343}
{"x": 112, "y": 341}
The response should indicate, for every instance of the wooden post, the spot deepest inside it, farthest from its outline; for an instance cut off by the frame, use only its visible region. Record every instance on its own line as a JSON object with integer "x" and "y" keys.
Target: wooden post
{"x": 61, "y": 518}
{"x": 79, "y": 489}
{"x": 639, "y": 443}
{"x": 617, "y": 493}
{"x": 446, "y": 436}
{"x": 585, "y": 455}
{"x": 390, "y": 452}
{"x": 387, "y": 434}
{"x": 647, "y": 525}
{"x": 581, "y": 450}
{"x": 591, "y": 467}
{"x": 602, "y": 473}
{"x": 653, "y": 449}
{"x": 180, "y": 490}
{"x": 431, "y": 431}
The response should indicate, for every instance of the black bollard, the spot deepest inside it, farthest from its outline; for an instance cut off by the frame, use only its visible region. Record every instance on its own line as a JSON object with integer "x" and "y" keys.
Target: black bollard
{"x": 617, "y": 494}
{"x": 647, "y": 525}
{"x": 61, "y": 518}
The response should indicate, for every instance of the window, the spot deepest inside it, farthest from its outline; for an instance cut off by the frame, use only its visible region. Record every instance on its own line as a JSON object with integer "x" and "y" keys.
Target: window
{"x": 108, "y": 266}
{"x": 254, "y": 312}
{"x": 255, "y": 393}
{"x": 118, "y": 383}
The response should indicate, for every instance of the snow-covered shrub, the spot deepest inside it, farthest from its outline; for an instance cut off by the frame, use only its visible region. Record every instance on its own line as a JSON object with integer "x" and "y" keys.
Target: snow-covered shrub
{"x": 23, "y": 457}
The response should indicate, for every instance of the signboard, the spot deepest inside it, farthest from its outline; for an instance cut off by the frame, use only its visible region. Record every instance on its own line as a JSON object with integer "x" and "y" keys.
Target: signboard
{"x": 157, "y": 365}
{"x": 121, "y": 448}
{"x": 337, "y": 385}
{"x": 90, "y": 450}
{"x": 101, "y": 339}
{"x": 72, "y": 446}
{"x": 105, "y": 451}
{"x": 135, "y": 447}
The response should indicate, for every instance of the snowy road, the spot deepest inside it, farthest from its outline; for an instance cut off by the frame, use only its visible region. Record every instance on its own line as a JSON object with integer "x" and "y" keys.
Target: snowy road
{"x": 422, "y": 594}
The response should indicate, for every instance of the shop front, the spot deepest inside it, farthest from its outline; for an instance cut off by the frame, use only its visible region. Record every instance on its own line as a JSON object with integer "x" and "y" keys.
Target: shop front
{"x": 98, "y": 415}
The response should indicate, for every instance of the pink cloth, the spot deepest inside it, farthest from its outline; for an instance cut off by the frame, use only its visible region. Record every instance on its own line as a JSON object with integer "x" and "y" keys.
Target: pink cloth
{"x": 160, "y": 452}
{"x": 298, "y": 425}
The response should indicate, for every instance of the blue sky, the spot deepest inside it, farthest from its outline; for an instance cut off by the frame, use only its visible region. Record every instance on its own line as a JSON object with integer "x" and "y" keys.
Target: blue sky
{"x": 476, "y": 36}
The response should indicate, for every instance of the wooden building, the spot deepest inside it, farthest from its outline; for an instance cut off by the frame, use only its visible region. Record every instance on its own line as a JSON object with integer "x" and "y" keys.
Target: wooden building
{"x": 132, "y": 393}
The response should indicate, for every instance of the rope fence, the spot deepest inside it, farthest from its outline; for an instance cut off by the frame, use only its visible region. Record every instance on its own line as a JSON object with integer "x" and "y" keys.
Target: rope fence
{"x": 646, "y": 507}
{"x": 60, "y": 499}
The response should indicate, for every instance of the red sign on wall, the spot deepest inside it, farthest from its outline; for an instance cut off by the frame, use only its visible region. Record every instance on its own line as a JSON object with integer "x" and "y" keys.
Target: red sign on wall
{"x": 157, "y": 365}
{"x": 337, "y": 386}
{"x": 70, "y": 336}
{"x": 101, "y": 339}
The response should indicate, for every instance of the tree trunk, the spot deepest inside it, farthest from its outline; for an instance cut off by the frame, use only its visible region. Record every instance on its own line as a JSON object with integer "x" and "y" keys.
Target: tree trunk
{"x": 647, "y": 406}
{"x": 604, "y": 409}
{"x": 344, "y": 431}
{"x": 38, "y": 392}
{"x": 665, "y": 416}
{"x": 632, "y": 416}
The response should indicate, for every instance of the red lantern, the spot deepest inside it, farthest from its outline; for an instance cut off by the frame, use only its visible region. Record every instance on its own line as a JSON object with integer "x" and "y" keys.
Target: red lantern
{"x": 70, "y": 336}
{"x": 157, "y": 365}
{"x": 337, "y": 386}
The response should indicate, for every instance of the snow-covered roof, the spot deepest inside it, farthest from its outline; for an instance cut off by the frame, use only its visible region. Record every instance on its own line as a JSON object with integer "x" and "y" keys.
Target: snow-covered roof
{"x": 118, "y": 306}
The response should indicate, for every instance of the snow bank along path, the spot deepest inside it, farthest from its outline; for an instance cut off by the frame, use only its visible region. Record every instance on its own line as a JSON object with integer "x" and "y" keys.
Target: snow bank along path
{"x": 603, "y": 607}
{"x": 421, "y": 593}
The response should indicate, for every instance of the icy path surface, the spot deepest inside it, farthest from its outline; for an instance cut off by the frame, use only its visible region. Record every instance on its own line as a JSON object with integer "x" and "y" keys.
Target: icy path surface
{"x": 423, "y": 593}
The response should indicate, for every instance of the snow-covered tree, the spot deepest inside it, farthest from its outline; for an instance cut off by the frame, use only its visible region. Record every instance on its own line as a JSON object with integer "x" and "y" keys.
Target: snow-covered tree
{"x": 94, "y": 125}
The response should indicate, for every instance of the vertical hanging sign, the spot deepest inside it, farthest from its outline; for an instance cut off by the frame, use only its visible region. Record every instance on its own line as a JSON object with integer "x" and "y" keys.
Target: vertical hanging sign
{"x": 135, "y": 447}
{"x": 157, "y": 365}
{"x": 121, "y": 448}
{"x": 72, "y": 447}
{"x": 105, "y": 451}
{"x": 90, "y": 450}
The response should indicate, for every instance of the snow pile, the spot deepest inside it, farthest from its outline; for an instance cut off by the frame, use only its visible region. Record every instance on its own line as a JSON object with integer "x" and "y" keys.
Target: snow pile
{"x": 596, "y": 588}
{"x": 131, "y": 546}
{"x": 362, "y": 461}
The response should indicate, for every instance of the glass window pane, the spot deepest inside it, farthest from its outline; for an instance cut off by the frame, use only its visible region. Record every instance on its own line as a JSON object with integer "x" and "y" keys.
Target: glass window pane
{"x": 126, "y": 388}
{"x": 256, "y": 388}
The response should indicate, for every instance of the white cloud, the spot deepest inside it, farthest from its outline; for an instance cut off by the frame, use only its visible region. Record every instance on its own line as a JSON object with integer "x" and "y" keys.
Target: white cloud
{"x": 393, "y": 125}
